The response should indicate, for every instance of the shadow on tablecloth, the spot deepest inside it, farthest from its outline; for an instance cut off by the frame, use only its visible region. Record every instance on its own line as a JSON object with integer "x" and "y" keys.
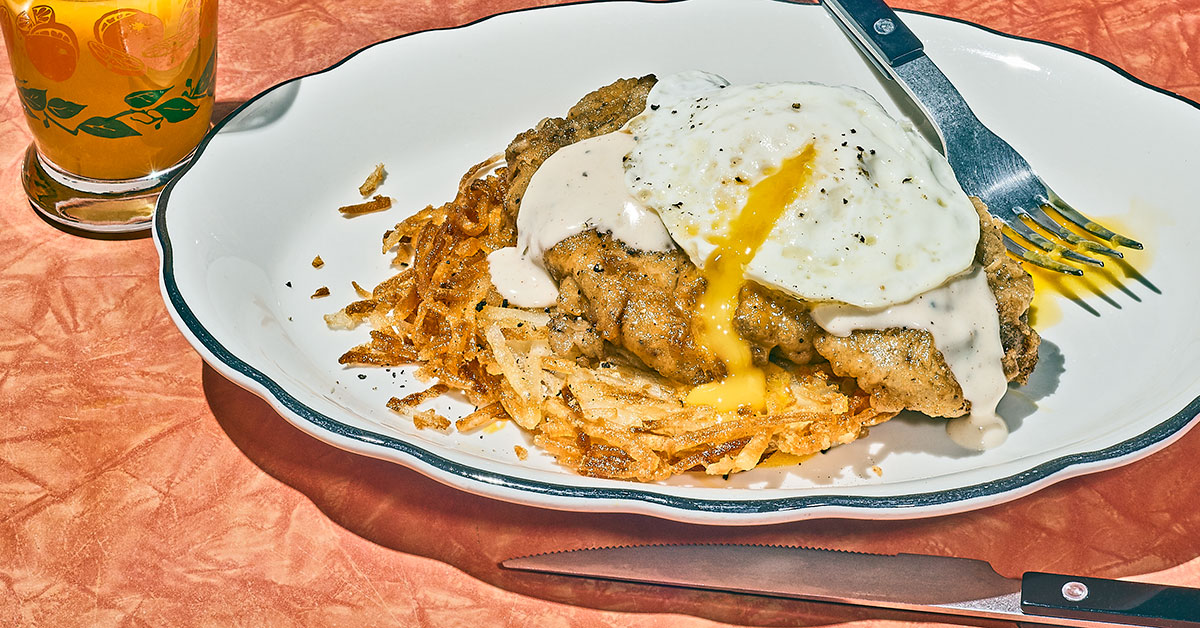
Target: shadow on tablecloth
{"x": 1124, "y": 522}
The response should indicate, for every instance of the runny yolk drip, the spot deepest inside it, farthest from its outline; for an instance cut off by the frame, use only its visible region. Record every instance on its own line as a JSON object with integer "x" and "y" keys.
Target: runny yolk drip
{"x": 724, "y": 273}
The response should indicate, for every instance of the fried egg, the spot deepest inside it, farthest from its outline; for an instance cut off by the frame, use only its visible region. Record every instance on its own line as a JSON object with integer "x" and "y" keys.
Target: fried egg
{"x": 872, "y": 214}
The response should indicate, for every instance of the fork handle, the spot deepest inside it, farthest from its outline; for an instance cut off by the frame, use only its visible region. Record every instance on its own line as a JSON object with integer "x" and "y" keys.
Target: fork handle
{"x": 897, "y": 53}
{"x": 879, "y": 30}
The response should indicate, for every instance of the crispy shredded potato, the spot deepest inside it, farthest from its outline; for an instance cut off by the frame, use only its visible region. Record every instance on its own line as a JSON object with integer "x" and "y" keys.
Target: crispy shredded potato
{"x": 614, "y": 418}
{"x": 376, "y": 204}
{"x": 373, "y": 181}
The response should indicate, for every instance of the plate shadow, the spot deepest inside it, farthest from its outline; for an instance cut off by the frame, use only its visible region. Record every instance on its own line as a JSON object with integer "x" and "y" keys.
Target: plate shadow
{"x": 1134, "y": 520}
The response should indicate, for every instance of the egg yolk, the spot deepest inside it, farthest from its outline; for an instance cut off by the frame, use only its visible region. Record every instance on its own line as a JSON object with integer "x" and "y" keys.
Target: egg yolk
{"x": 744, "y": 385}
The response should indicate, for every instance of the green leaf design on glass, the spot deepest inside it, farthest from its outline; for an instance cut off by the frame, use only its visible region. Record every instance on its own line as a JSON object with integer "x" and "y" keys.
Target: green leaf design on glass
{"x": 145, "y": 108}
{"x": 107, "y": 127}
{"x": 144, "y": 98}
{"x": 204, "y": 83}
{"x": 143, "y": 117}
{"x": 35, "y": 99}
{"x": 176, "y": 110}
{"x": 64, "y": 108}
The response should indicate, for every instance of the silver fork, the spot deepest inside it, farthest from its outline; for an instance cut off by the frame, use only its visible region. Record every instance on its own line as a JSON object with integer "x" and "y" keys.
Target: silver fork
{"x": 986, "y": 166}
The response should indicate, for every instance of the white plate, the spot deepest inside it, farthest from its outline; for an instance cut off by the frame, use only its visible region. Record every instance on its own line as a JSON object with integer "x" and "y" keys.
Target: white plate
{"x": 238, "y": 230}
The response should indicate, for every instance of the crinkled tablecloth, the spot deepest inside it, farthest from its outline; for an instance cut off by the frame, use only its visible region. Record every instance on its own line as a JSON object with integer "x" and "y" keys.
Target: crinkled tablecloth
{"x": 140, "y": 488}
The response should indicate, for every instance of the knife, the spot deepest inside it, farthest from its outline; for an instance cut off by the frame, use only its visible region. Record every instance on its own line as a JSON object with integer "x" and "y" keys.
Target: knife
{"x": 913, "y": 582}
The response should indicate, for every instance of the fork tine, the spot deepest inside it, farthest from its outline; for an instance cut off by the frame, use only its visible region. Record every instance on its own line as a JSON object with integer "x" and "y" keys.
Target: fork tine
{"x": 1035, "y": 257}
{"x": 1089, "y": 225}
{"x": 1044, "y": 243}
{"x": 1044, "y": 221}
{"x": 988, "y": 167}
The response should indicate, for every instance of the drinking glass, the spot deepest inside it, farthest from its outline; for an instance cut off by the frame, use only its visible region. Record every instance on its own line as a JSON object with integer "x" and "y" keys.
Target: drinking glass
{"x": 117, "y": 94}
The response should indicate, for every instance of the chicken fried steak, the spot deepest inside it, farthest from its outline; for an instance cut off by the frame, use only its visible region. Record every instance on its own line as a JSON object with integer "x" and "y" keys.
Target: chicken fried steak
{"x": 643, "y": 301}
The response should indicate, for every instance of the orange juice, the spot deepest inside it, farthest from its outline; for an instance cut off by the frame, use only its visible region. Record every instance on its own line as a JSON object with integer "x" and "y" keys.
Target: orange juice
{"x": 113, "y": 89}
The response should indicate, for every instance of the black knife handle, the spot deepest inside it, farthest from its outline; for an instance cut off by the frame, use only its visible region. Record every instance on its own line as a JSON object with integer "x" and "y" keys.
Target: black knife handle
{"x": 875, "y": 24}
{"x": 1117, "y": 601}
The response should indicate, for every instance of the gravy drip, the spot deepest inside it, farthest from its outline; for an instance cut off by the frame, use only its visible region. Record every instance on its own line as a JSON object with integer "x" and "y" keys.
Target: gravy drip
{"x": 519, "y": 280}
{"x": 961, "y": 316}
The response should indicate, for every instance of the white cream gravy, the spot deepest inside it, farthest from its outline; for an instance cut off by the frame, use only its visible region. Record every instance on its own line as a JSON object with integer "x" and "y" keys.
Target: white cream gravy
{"x": 519, "y": 280}
{"x": 580, "y": 187}
{"x": 961, "y": 316}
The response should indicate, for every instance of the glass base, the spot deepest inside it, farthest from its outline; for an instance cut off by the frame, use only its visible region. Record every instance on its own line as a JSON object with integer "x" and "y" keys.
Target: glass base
{"x": 91, "y": 205}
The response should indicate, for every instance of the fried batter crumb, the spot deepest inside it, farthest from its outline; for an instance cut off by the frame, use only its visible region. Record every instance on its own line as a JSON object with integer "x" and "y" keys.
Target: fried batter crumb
{"x": 376, "y": 204}
{"x": 323, "y": 291}
{"x": 318, "y": 262}
{"x": 521, "y": 452}
{"x": 428, "y": 419}
{"x": 373, "y": 181}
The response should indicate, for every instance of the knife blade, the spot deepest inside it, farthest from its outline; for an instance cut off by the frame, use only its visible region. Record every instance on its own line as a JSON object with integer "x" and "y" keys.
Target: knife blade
{"x": 913, "y": 582}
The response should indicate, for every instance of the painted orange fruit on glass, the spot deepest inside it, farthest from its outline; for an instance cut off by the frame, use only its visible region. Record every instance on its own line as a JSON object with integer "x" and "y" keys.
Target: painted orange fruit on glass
{"x": 51, "y": 47}
{"x": 36, "y": 16}
{"x": 174, "y": 50}
{"x": 130, "y": 41}
{"x": 120, "y": 36}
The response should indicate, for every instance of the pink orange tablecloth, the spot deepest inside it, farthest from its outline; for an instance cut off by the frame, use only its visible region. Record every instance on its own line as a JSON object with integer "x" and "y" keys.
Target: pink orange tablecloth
{"x": 140, "y": 488}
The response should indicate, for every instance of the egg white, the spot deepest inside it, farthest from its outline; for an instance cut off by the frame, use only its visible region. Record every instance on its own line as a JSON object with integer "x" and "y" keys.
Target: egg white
{"x": 882, "y": 219}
